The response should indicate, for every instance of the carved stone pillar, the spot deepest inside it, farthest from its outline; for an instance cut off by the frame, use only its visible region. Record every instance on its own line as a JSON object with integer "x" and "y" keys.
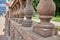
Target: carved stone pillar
{"x": 16, "y": 11}
{"x": 13, "y": 14}
{"x": 45, "y": 9}
{"x": 17, "y": 8}
{"x": 10, "y": 12}
{"x": 7, "y": 24}
{"x": 21, "y": 12}
{"x": 28, "y": 11}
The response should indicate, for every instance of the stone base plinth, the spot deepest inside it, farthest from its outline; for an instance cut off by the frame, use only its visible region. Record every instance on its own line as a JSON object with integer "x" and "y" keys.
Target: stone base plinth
{"x": 35, "y": 36}
{"x": 44, "y": 29}
{"x": 30, "y": 34}
{"x": 27, "y": 23}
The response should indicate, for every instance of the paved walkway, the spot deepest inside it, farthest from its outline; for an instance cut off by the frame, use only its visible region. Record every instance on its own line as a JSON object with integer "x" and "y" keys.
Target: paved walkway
{"x": 2, "y": 36}
{"x": 56, "y": 23}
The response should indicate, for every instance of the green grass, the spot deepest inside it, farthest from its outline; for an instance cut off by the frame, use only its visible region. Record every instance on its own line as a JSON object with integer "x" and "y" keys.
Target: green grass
{"x": 36, "y": 18}
{"x": 56, "y": 19}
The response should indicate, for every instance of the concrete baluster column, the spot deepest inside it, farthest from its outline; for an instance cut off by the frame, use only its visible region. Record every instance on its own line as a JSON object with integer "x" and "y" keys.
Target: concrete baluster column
{"x": 21, "y": 12}
{"x": 7, "y": 24}
{"x": 18, "y": 5}
{"x": 15, "y": 13}
{"x": 17, "y": 9}
{"x": 28, "y": 12}
{"x": 45, "y": 9}
{"x": 12, "y": 13}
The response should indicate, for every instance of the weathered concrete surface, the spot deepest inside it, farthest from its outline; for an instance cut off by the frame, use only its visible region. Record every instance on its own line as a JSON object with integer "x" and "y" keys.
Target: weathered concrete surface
{"x": 2, "y": 36}
{"x": 29, "y": 34}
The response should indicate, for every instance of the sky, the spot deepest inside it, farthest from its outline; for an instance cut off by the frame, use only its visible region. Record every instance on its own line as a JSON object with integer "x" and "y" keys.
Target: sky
{"x": 2, "y": 6}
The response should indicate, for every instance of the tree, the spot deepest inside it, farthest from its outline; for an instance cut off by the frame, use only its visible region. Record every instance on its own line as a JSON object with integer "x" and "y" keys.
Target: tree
{"x": 57, "y": 2}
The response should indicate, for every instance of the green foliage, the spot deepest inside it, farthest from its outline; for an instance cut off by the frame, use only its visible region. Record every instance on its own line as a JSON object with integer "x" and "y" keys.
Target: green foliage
{"x": 35, "y": 3}
{"x": 57, "y": 19}
{"x": 57, "y": 2}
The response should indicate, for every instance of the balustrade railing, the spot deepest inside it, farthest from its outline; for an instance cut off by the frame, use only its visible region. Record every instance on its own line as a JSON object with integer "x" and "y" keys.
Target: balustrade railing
{"x": 20, "y": 26}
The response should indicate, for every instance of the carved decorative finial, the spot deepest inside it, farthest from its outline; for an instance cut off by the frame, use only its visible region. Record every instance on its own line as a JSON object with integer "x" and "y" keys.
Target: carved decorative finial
{"x": 18, "y": 7}
{"x": 10, "y": 12}
{"x": 21, "y": 12}
{"x": 14, "y": 13}
{"x": 28, "y": 11}
{"x": 45, "y": 9}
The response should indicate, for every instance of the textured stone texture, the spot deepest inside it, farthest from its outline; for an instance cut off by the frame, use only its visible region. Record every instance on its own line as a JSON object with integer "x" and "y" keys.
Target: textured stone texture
{"x": 44, "y": 29}
{"x": 26, "y": 30}
{"x": 27, "y": 23}
{"x": 27, "y": 33}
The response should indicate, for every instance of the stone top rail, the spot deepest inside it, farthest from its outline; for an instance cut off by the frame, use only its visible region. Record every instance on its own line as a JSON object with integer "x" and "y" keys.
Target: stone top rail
{"x": 14, "y": 3}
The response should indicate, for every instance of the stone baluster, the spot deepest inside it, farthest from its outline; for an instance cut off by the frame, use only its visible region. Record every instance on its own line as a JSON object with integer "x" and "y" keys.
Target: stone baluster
{"x": 10, "y": 12}
{"x": 28, "y": 12}
{"x": 21, "y": 12}
{"x": 13, "y": 12}
{"x": 45, "y": 9}
{"x": 17, "y": 12}
{"x": 17, "y": 8}
{"x": 6, "y": 24}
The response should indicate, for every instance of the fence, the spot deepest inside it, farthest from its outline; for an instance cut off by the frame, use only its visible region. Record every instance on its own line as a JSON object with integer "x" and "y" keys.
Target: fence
{"x": 20, "y": 26}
